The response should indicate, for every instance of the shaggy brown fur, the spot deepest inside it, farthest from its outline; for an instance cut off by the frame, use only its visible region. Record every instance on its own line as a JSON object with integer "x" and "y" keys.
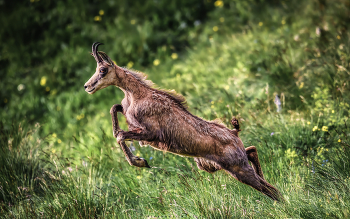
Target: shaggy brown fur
{"x": 161, "y": 119}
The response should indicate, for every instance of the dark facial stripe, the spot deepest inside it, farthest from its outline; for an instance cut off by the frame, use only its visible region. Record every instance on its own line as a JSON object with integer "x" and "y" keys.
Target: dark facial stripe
{"x": 100, "y": 76}
{"x": 93, "y": 84}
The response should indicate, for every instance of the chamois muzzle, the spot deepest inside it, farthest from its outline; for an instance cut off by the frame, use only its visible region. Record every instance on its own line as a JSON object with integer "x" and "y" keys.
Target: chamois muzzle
{"x": 95, "y": 52}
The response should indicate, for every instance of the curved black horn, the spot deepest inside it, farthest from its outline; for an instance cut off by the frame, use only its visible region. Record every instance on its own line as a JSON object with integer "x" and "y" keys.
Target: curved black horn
{"x": 95, "y": 51}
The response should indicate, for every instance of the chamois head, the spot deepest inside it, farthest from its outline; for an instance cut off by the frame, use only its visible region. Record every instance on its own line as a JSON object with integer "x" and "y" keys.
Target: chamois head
{"x": 105, "y": 71}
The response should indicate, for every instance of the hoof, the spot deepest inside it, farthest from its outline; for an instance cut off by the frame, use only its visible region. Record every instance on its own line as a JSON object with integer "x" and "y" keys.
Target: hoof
{"x": 146, "y": 164}
{"x": 141, "y": 162}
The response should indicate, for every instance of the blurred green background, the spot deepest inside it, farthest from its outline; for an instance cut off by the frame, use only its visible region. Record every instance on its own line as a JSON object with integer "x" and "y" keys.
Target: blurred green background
{"x": 228, "y": 58}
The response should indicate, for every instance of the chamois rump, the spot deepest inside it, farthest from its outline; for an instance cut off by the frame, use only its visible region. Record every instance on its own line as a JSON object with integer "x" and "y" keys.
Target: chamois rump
{"x": 160, "y": 118}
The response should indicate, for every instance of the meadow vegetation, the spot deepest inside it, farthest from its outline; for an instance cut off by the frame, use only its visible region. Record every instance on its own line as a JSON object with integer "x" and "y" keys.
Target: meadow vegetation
{"x": 228, "y": 58}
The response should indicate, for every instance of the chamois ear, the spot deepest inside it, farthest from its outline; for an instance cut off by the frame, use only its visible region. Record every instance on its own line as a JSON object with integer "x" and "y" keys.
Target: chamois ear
{"x": 106, "y": 58}
{"x": 100, "y": 56}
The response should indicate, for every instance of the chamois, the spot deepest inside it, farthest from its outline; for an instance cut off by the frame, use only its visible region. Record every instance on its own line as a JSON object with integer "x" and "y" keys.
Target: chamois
{"x": 161, "y": 119}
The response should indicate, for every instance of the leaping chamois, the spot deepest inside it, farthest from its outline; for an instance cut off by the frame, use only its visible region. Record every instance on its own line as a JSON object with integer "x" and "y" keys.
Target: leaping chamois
{"x": 161, "y": 119}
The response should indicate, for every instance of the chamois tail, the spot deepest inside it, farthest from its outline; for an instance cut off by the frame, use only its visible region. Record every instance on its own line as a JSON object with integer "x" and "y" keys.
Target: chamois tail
{"x": 235, "y": 124}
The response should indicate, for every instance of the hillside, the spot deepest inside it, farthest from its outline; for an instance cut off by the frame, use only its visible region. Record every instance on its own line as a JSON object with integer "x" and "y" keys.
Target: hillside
{"x": 227, "y": 58}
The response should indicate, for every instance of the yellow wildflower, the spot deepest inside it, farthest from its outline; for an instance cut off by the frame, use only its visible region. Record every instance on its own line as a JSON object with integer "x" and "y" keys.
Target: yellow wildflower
{"x": 139, "y": 177}
{"x": 315, "y": 128}
{"x": 133, "y": 22}
{"x": 338, "y": 37}
{"x": 156, "y": 62}
{"x": 130, "y": 64}
{"x": 332, "y": 111}
{"x": 283, "y": 22}
{"x": 325, "y": 128}
{"x": 339, "y": 140}
{"x": 308, "y": 123}
{"x": 81, "y": 116}
{"x": 227, "y": 87}
{"x": 101, "y": 12}
{"x": 43, "y": 81}
{"x": 212, "y": 102}
{"x": 222, "y": 19}
{"x": 219, "y": 3}
{"x": 215, "y": 28}
{"x": 54, "y": 135}
{"x": 53, "y": 92}
{"x": 261, "y": 23}
{"x": 59, "y": 141}
{"x": 53, "y": 150}
{"x": 174, "y": 56}
{"x": 301, "y": 85}
{"x": 97, "y": 18}
{"x": 291, "y": 153}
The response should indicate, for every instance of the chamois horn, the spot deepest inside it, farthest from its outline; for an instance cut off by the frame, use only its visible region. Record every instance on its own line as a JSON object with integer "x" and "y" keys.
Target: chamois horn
{"x": 95, "y": 51}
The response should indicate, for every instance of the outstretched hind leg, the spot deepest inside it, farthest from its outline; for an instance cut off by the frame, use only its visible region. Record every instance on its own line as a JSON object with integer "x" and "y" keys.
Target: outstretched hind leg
{"x": 248, "y": 176}
{"x": 251, "y": 151}
{"x": 252, "y": 155}
{"x": 207, "y": 165}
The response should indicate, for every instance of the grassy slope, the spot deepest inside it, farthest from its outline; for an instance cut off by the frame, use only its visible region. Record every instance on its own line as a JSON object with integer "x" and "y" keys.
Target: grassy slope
{"x": 236, "y": 74}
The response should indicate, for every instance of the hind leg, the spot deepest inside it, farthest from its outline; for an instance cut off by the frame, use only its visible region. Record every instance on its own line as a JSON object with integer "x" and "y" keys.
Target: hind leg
{"x": 235, "y": 161}
{"x": 247, "y": 175}
{"x": 252, "y": 155}
{"x": 207, "y": 165}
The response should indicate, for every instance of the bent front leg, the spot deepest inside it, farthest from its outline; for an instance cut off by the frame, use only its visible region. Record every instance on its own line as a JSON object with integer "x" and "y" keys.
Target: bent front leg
{"x": 132, "y": 159}
{"x": 114, "y": 110}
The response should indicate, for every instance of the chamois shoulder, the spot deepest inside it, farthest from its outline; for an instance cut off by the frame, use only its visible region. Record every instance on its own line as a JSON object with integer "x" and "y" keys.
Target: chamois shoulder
{"x": 178, "y": 99}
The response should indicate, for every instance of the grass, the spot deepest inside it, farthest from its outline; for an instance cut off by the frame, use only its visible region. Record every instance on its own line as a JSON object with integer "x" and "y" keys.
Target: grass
{"x": 62, "y": 160}
{"x": 176, "y": 187}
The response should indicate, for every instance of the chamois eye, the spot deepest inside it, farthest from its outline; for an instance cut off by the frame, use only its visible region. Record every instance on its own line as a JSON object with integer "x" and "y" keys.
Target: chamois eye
{"x": 103, "y": 70}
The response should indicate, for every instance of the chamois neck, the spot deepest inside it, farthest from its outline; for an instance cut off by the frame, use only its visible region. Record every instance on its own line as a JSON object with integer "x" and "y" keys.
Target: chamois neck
{"x": 130, "y": 84}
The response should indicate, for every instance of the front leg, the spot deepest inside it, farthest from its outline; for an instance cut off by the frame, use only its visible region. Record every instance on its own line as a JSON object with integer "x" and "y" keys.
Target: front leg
{"x": 114, "y": 110}
{"x": 132, "y": 159}
{"x": 118, "y": 133}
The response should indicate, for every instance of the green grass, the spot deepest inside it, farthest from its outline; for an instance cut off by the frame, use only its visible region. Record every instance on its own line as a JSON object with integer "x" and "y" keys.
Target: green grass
{"x": 59, "y": 157}
{"x": 108, "y": 186}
